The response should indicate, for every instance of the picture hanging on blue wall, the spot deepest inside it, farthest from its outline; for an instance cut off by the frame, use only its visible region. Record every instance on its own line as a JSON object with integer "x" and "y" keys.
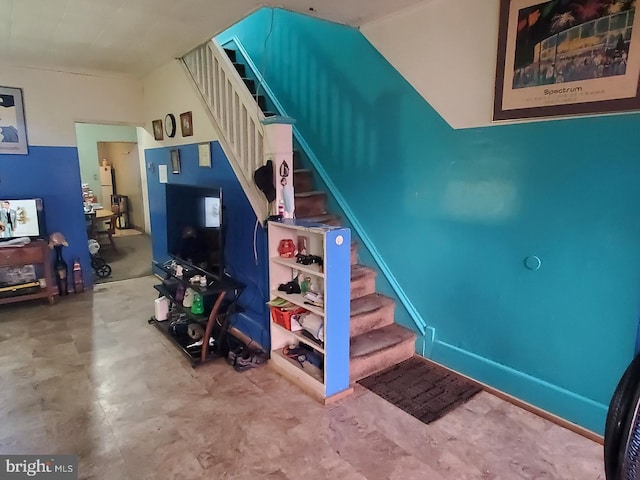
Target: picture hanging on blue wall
{"x": 563, "y": 58}
{"x": 13, "y": 130}
{"x": 175, "y": 161}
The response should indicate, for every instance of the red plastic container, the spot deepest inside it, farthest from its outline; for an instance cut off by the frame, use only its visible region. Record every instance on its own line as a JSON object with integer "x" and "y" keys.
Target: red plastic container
{"x": 283, "y": 316}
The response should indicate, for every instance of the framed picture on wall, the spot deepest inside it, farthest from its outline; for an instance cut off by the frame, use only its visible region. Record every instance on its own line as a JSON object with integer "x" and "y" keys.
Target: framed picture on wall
{"x": 186, "y": 124}
{"x": 13, "y": 130}
{"x": 567, "y": 57}
{"x": 158, "y": 132}
{"x": 175, "y": 161}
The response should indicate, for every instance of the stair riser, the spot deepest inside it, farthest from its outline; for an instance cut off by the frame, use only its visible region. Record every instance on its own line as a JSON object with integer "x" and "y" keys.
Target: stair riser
{"x": 250, "y": 85}
{"x": 362, "y": 286}
{"x": 354, "y": 253}
{"x": 310, "y": 206}
{"x": 368, "y": 321}
{"x": 303, "y": 181}
{"x": 376, "y": 362}
{"x": 240, "y": 69}
{"x": 231, "y": 54}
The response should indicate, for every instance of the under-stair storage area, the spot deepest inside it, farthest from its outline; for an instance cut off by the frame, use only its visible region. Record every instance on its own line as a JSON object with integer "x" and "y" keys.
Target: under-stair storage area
{"x": 309, "y": 284}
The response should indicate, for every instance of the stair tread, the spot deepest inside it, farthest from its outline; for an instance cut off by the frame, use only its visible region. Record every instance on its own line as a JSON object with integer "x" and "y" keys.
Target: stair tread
{"x": 369, "y": 303}
{"x": 373, "y": 341}
{"x": 310, "y": 193}
{"x": 302, "y": 170}
{"x": 358, "y": 271}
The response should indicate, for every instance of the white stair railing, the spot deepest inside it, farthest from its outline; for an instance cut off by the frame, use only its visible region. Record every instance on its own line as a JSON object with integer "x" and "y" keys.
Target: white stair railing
{"x": 235, "y": 116}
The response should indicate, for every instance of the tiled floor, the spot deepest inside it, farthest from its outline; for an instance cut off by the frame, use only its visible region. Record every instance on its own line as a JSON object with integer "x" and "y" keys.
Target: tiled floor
{"x": 90, "y": 377}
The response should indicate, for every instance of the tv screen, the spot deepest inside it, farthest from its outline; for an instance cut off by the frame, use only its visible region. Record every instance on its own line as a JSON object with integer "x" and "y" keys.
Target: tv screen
{"x": 195, "y": 227}
{"x": 211, "y": 212}
{"x": 21, "y": 218}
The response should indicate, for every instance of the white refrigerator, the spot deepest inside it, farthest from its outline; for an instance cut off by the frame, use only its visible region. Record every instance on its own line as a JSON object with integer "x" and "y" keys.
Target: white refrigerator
{"x": 106, "y": 185}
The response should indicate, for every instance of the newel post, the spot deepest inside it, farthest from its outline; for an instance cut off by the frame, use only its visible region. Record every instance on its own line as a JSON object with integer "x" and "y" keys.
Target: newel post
{"x": 278, "y": 147}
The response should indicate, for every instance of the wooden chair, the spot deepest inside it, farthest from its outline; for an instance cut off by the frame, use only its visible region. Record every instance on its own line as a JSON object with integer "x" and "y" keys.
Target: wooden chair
{"x": 106, "y": 227}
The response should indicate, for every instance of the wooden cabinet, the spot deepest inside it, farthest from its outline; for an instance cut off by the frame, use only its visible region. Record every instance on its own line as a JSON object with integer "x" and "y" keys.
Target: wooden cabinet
{"x": 36, "y": 253}
{"x": 319, "y": 366}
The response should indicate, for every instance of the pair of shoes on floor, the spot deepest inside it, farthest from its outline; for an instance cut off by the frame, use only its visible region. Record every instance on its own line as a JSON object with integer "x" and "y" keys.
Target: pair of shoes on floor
{"x": 233, "y": 355}
{"x": 250, "y": 359}
{"x": 244, "y": 358}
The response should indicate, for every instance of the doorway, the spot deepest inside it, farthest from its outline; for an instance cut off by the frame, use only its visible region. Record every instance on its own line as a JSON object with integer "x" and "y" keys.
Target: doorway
{"x": 121, "y": 182}
{"x": 111, "y": 177}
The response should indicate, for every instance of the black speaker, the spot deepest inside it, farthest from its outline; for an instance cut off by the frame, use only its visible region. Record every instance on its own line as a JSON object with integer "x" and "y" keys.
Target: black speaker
{"x": 622, "y": 428}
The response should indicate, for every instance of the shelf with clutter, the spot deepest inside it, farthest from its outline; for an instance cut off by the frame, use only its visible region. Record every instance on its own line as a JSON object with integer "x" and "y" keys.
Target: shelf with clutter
{"x": 193, "y": 310}
{"x": 309, "y": 280}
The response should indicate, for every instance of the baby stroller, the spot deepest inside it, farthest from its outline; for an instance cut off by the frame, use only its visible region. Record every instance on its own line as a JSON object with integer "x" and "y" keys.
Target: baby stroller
{"x": 99, "y": 265}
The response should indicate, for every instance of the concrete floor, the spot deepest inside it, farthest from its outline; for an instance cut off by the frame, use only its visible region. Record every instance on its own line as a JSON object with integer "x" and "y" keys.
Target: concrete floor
{"x": 90, "y": 377}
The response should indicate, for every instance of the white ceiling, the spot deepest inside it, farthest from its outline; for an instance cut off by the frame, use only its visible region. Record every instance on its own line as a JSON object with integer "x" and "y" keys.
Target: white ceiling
{"x": 136, "y": 36}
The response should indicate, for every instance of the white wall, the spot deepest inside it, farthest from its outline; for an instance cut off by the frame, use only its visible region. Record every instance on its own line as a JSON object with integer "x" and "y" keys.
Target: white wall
{"x": 447, "y": 51}
{"x": 168, "y": 90}
{"x": 54, "y": 101}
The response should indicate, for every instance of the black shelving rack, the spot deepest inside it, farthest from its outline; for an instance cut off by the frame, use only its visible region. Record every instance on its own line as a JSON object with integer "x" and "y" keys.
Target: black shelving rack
{"x": 216, "y": 313}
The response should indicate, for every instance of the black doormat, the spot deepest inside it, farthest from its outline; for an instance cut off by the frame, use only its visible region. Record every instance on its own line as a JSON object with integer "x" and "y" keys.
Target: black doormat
{"x": 422, "y": 389}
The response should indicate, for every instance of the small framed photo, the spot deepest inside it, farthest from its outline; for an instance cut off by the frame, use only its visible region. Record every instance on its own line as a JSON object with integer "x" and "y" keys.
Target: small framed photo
{"x": 186, "y": 124}
{"x": 158, "y": 133}
{"x": 175, "y": 161}
{"x": 13, "y": 130}
{"x": 303, "y": 245}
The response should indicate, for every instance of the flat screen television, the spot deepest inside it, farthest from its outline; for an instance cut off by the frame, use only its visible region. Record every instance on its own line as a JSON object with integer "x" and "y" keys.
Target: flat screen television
{"x": 21, "y": 217}
{"x": 195, "y": 227}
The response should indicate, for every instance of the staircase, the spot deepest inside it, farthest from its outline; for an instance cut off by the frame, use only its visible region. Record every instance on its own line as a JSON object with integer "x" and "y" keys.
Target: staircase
{"x": 376, "y": 341}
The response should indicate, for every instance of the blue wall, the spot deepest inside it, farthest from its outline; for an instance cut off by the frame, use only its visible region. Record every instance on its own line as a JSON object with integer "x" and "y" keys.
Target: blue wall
{"x": 239, "y": 225}
{"x": 53, "y": 174}
{"x": 454, "y": 214}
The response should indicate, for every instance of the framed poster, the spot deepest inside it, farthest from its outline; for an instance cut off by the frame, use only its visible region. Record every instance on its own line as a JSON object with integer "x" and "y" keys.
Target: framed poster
{"x": 13, "y": 130}
{"x": 564, "y": 57}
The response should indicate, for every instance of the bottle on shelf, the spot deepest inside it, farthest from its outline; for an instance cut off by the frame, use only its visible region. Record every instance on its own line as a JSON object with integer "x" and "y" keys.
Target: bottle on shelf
{"x": 305, "y": 285}
{"x": 179, "y": 294}
{"x": 189, "y": 296}
{"x": 197, "y": 307}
